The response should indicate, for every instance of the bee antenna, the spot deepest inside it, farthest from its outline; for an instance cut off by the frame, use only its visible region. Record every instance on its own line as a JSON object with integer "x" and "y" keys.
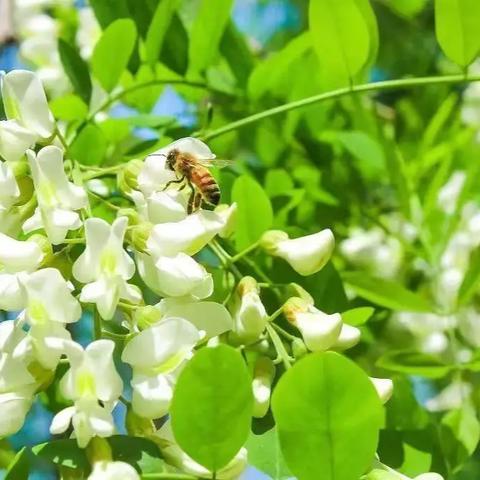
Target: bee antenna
{"x": 157, "y": 155}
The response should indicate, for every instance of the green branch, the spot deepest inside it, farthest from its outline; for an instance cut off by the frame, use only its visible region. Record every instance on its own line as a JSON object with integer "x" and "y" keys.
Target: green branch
{"x": 341, "y": 92}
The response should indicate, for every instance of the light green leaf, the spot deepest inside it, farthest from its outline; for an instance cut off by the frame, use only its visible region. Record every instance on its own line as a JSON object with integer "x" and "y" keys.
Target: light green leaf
{"x": 158, "y": 28}
{"x": 357, "y": 316}
{"x": 76, "y": 70}
{"x": 264, "y": 454}
{"x": 207, "y": 30}
{"x": 456, "y": 26}
{"x": 341, "y": 38}
{"x": 278, "y": 182}
{"x": 112, "y": 52}
{"x": 212, "y": 406}
{"x": 471, "y": 280}
{"x": 89, "y": 146}
{"x": 328, "y": 416}
{"x": 254, "y": 211}
{"x": 460, "y": 434}
{"x": 414, "y": 363}
{"x": 385, "y": 293}
{"x": 69, "y": 107}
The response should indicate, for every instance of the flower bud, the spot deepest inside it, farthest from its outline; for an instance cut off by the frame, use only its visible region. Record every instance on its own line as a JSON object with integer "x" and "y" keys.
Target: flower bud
{"x": 138, "y": 426}
{"x": 384, "y": 388}
{"x": 127, "y": 179}
{"x": 228, "y": 213}
{"x": 348, "y": 338}
{"x": 146, "y": 316}
{"x": 295, "y": 290}
{"x": 139, "y": 235}
{"x": 299, "y": 349}
{"x": 249, "y": 314}
{"x": 263, "y": 375}
{"x": 131, "y": 214}
{"x": 319, "y": 330}
{"x": 306, "y": 255}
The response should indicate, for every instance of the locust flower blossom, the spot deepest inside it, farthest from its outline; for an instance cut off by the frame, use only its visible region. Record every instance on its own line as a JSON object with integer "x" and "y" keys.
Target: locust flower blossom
{"x": 248, "y": 311}
{"x": 50, "y": 305}
{"x": 113, "y": 471}
{"x": 25, "y": 101}
{"x": 91, "y": 379}
{"x": 348, "y": 338}
{"x": 15, "y": 140}
{"x": 175, "y": 456}
{"x": 58, "y": 199}
{"x": 17, "y": 385}
{"x": 319, "y": 330}
{"x": 16, "y": 257}
{"x": 384, "y": 388}
{"x": 9, "y": 191}
{"x": 306, "y": 255}
{"x": 105, "y": 266}
{"x": 157, "y": 355}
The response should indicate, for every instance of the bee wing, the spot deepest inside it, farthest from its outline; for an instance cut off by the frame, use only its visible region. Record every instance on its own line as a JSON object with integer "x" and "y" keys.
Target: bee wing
{"x": 216, "y": 162}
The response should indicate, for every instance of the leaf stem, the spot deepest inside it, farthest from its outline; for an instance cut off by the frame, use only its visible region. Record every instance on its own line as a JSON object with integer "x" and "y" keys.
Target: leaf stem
{"x": 168, "y": 476}
{"x": 248, "y": 250}
{"x": 279, "y": 347}
{"x": 340, "y": 92}
{"x": 97, "y": 324}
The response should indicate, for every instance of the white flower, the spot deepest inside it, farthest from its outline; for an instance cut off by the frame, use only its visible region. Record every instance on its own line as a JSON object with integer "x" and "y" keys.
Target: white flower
{"x": 154, "y": 174}
{"x": 451, "y": 397}
{"x": 24, "y": 100}
{"x": 448, "y": 195}
{"x": 209, "y": 317}
{"x": 113, "y": 471}
{"x": 157, "y": 355}
{"x": 174, "y": 455}
{"x": 88, "y": 32}
{"x": 15, "y": 140}
{"x": 89, "y": 419}
{"x": 14, "y": 407}
{"x": 249, "y": 314}
{"x": 161, "y": 207}
{"x": 92, "y": 377}
{"x": 319, "y": 330}
{"x": 306, "y": 255}
{"x": 384, "y": 388}
{"x": 15, "y": 257}
{"x": 49, "y": 306}
{"x": 188, "y": 236}
{"x": 228, "y": 213}
{"x": 57, "y": 197}
{"x": 175, "y": 276}
{"x": 349, "y": 337}
{"x": 9, "y": 191}
{"x": 264, "y": 372}
{"x": 105, "y": 266}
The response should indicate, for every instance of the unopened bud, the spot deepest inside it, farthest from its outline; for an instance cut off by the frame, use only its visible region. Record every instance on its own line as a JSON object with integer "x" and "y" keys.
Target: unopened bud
{"x": 127, "y": 178}
{"x": 299, "y": 349}
{"x": 263, "y": 375}
{"x": 145, "y": 317}
{"x": 296, "y": 290}
{"x": 270, "y": 239}
{"x": 138, "y": 426}
{"x": 131, "y": 214}
{"x": 139, "y": 235}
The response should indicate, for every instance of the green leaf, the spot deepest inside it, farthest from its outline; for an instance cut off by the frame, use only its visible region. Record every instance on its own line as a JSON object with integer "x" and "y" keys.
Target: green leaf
{"x": 63, "y": 452}
{"x": 174, "y": 52}
{"x": 69, "y": 107}
{"x": 207, "y": 30}
{"x": 76, "y": 70}
{"x": 106, "y": 11}
{"x": 137, "y": 451}
{"x": 19, "y": 468}
{"x": 341, "y": 38}
{"x": 158, "y": 29}
{"x": 471, "y": 280}
{"x": 278, "y": 182}
{"x": 254, "y": 211}
{"x": 357, "y": 316}
{"x": 414, "y": 363}
{"x": 113, "y": 51}
{"x": 456, "y": 26}
{"x": 90, "y": 146}
{"x": 328, "y": 416}
{"x": 385, "y": 293}
{"x": 212, "y": 406}
{"x": 264, "y": 454}
{"x": 460, "y": 434}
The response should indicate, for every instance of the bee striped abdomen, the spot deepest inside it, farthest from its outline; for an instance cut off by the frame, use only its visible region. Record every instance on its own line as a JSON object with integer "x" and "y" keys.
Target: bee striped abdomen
{"x": 207, "y": 185}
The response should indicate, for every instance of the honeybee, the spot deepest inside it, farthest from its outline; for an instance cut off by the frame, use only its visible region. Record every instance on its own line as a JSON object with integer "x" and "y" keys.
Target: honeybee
{"x": 193, "y": 172}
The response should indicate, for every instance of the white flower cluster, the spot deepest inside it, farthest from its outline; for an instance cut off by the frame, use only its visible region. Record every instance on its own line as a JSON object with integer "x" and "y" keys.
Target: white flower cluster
{"x": 45, "y": 215}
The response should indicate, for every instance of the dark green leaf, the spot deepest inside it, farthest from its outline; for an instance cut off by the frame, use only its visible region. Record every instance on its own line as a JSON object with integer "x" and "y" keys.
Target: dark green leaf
{"x": 328, "y": 417}
{"x": 107, "y": 11}
{"x": 19, "y": 468}
{"x": 174, "y": 52}
{"x": 63, "y": 452}
{"x": 212, "y": 406}
{"x": 254, "y": 211}
{"x": 107, "y": 66}
{"x": 385, "y": 293}
{"x": 76, "y": 70}
{"x": 137, "y": 451}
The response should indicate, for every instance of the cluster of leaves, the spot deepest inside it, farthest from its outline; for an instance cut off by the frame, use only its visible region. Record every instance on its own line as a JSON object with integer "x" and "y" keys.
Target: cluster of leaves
{"x": 346, "y": 161}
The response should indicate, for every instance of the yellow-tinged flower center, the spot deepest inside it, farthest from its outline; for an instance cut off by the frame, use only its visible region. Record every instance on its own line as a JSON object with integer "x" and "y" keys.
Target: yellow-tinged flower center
{"x": 171, "y": 363}
{"x": 37, "y": 312}
{"x": 85, "y": 384}
{"x": 46, "y": 191}
{"x": 108, "y": 261}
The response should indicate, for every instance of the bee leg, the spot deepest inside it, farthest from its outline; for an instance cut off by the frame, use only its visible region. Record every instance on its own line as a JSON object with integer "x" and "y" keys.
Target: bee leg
{"x": 197, "y": 201}
{"x": 191, "y": 201}
{"x": 171, "y": 182}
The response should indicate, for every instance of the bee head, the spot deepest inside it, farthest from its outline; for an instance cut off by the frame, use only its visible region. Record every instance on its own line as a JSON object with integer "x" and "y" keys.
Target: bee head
{"x": 171, "y": 158}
